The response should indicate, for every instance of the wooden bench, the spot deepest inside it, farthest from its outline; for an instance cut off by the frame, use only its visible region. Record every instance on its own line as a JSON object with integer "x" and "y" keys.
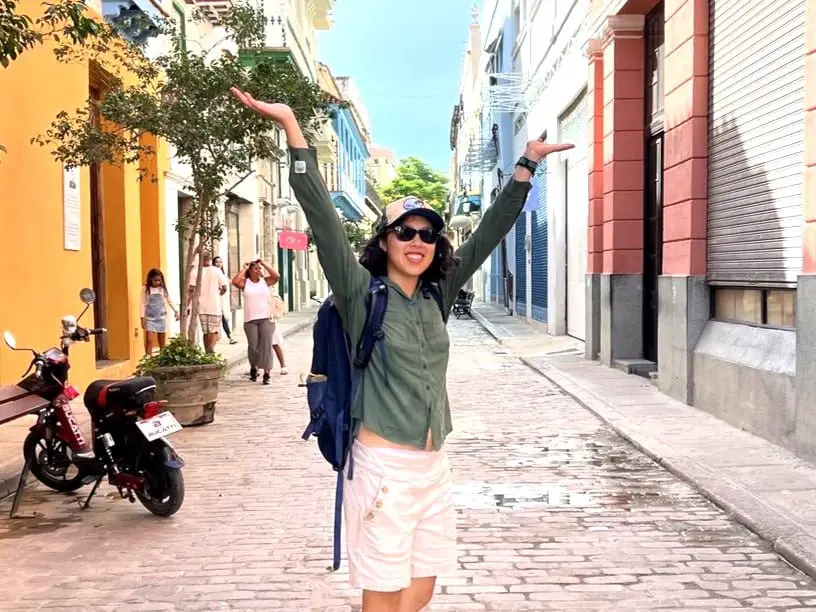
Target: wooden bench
{"x": 15, "y": 403}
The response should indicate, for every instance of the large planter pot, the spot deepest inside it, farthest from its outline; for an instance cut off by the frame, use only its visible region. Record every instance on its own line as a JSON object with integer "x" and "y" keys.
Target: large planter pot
{"x": 190, "y": 392}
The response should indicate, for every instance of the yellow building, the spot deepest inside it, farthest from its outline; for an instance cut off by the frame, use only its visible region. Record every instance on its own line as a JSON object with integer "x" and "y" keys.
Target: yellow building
{"x": 59, "y": 232}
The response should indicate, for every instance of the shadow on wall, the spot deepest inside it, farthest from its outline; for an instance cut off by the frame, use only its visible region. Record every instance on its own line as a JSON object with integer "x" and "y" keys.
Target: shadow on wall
{"x": 744, "y": 373}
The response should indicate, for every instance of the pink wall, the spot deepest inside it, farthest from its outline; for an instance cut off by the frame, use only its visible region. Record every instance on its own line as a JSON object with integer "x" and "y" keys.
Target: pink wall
{"x": 623, "y": 88}
{"x": 686, "y": 140}
{"x": 595, "y": 89}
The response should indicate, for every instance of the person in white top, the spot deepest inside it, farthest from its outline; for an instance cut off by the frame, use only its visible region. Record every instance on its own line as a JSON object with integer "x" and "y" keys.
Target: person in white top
{"x": 278, "y": 310}
{"x": 225, "y": 300}
{"x": 213, "y": 286}
{"x": 258, "y": 325}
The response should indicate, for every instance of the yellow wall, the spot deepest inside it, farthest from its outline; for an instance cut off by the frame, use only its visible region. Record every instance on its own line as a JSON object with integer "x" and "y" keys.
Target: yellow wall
{"x": 42, "y": 280}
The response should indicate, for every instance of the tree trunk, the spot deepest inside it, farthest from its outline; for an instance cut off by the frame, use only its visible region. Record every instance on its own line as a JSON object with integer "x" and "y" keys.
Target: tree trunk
{"x": 189, "y": 323}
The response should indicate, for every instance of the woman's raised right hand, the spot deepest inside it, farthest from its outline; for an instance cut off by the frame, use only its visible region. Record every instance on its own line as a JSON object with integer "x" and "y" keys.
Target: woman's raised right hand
{"x": 280, "y": 113}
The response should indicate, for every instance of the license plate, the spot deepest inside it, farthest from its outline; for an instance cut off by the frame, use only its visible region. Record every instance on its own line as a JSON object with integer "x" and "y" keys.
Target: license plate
{"x": 159, "y": 426}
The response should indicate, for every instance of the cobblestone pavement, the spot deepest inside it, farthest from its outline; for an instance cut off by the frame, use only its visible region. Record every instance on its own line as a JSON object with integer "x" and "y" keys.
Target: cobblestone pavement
{"x": 556, "y": 513}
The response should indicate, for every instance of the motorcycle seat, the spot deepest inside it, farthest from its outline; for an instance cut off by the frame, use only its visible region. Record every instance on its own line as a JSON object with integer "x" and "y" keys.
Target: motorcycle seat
{"x": 131, "y": 392}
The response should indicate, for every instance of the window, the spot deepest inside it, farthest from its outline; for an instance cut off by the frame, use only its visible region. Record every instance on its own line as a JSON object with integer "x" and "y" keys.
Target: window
{"x": 771, "y": 307}
{"x": 517, "y": 21}
{"x": 655, "y": 69}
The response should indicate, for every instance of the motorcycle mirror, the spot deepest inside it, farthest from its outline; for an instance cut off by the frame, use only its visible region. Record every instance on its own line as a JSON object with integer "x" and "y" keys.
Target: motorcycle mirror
{"x": 9, "y": 339}
{"x": 87, "y": 296}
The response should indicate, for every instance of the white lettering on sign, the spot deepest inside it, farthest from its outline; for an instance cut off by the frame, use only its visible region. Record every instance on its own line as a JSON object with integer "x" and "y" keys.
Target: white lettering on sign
{"x": 71, "y": 210}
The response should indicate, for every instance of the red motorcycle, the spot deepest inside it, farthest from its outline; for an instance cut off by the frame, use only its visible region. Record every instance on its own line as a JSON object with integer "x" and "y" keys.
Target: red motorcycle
{"x": 129, "y": 427}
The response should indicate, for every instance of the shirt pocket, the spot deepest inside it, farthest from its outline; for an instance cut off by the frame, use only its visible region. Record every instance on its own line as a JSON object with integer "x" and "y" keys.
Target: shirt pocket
{"x": 434, "y": 328}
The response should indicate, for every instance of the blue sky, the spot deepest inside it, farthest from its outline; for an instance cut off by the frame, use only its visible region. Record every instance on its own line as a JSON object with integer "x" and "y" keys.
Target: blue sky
{"x": 405, "y": 58}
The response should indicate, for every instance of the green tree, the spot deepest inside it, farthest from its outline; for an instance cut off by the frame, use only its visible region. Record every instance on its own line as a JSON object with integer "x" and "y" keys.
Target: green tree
{"x": 358, "y": 234}
{"x": 183, "y": 97}
{"x": 64, "y": 21}
{"x": 416, "y": 178}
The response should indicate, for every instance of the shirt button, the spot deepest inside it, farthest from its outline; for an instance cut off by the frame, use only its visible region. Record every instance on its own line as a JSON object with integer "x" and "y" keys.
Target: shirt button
{"x": 424, "y": 367}
{"x": 378, "y": 504}
{"x": 385, "y": 489}
{"x": 370, "y": 516}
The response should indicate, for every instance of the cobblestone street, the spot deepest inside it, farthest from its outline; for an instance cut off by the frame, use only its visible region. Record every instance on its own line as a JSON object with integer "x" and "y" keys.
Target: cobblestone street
{"x": 555, "y": 513}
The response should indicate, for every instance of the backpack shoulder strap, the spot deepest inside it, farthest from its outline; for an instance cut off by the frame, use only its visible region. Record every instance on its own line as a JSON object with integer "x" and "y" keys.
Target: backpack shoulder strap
{"x": 436, "y": 293}
{"x": 376, "y": 303}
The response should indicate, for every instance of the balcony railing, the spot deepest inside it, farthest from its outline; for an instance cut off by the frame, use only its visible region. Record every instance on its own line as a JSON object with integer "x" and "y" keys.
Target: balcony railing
{"x": 347, "y": 185}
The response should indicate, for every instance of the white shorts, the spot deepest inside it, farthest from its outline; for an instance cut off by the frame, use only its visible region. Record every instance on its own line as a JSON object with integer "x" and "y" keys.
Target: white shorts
{"x": 277, "y": 336}
{"x": 400, "y": 517}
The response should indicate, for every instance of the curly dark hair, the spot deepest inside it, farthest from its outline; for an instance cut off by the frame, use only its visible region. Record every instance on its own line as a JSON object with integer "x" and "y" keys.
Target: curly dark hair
{"x": 375, "y": 259}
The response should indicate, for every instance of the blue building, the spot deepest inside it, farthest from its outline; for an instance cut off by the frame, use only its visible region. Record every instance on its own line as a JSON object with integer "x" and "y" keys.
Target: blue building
{"x": 352, "y": 152}
{"x": 519, "y": 265}
{"x": 507, "y": 263}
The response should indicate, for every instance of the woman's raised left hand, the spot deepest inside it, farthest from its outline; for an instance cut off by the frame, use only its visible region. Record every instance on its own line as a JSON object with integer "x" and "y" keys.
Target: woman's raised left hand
{"x": 538, "y": 149}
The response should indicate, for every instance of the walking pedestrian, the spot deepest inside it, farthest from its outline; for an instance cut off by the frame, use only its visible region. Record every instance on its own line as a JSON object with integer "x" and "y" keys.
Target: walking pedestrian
{"x": 399, "y": 507}
{"x": 258, "y": 325}
{"x": 213, "y": 286}
{"x": 154, "y": 304}
{"x": 277, "y": 307}
{"x": 225, "y": 300}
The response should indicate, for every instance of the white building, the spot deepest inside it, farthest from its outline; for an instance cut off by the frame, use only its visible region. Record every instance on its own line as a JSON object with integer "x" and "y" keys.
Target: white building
{"x": 530, "y": 80}
{"x": 382, "y": 165}
{"x": 551, "y": 48}
{"x": 473, "y": 153}
{"x": 258, "y": 208}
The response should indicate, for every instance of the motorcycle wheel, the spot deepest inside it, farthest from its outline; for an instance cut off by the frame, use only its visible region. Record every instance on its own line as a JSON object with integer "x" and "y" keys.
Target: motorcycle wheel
{"x": 53, "y": 474}
{"x": 163, "y": 493}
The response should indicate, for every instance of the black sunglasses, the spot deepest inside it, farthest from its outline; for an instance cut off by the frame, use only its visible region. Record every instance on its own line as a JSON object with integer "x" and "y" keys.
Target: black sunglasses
{"x": 428, "y": 235}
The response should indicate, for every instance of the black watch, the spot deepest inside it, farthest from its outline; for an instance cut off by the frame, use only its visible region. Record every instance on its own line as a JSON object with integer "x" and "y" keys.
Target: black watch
{"x": 527, "y": 163}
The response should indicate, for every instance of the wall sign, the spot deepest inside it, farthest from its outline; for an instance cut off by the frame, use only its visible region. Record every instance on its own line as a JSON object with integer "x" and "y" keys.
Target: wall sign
{"x": 295, "y": 241}
{"x": 71, "y": 210}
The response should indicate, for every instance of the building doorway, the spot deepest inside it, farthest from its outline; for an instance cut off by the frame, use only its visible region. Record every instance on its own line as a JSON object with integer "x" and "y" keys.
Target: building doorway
{"x": 653, "y": 192}
{"x": 233, "y": 254}
{"x": 98, "y": 270}
{"x": 286, "y": 270}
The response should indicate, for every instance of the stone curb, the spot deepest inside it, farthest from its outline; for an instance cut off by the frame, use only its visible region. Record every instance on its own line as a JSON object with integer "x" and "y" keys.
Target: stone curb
{"x": 788, "y": 537}
{"x": 9, "y": 485}
{"x": 488, "y": 326}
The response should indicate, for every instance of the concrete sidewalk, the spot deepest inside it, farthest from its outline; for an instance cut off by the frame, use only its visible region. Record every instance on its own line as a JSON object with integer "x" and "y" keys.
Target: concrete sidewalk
{"x": 763, "y": 486}
{"x": 12, "y": 434}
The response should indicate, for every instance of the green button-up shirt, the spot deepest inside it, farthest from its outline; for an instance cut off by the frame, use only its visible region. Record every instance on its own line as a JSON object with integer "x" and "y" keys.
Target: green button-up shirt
{"x": 403, "y": 404}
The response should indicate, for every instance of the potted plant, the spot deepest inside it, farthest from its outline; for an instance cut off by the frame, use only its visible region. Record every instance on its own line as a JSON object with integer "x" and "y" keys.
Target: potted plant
{"x": 187, "y": 379}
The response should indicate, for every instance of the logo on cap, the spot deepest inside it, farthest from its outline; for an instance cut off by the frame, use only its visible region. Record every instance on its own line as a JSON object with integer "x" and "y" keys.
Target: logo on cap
{"x": 411, "y": 204}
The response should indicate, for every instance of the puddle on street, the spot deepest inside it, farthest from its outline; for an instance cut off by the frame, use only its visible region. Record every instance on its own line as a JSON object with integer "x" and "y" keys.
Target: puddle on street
{"x": 518, "y": 496}
{"x": 582, "y": 470}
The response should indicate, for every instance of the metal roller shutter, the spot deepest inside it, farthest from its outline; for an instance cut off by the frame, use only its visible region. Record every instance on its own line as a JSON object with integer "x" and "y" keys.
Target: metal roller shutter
{"x": 520, "y": 280}
{"x": 538, "y": 243}
{"x": 756, "y": 141}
